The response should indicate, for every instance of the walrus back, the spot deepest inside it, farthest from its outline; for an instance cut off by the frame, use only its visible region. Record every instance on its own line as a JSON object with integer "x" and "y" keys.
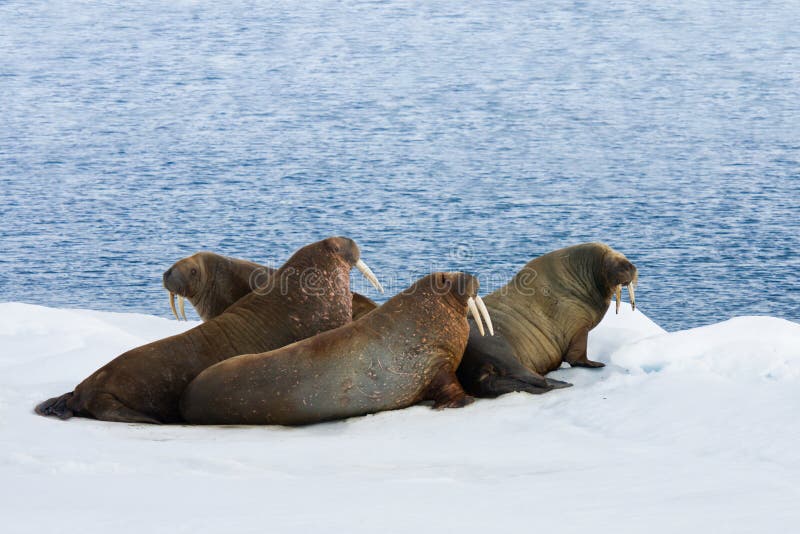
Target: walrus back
{"x": 542, "y": 307}
{"x": 325, "y": 377}
{"x": 56, "y": 407}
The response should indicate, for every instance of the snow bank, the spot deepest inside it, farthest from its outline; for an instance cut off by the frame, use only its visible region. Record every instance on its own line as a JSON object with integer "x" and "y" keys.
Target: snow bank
{"x": 692, "y": 430}
{"x": 744, "y": 348}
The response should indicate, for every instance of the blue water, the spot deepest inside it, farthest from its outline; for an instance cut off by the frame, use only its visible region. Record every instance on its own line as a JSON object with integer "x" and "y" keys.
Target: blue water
{"x": 447, "y": 135}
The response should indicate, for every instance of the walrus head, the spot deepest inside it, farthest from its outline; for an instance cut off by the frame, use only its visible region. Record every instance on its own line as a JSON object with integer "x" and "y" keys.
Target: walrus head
{"x": 186, "y": 278}
{"x": 348, "y": 251}
{"x": 315, "y": 267}
{"x": 460, "y": 289}
{"x": 618, "y": 271}
{"x": 593, "y": 272}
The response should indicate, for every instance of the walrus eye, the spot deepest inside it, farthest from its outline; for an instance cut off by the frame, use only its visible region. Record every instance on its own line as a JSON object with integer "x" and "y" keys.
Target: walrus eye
{"x": 194, "y": 271}
{"x": 333, "y": 245}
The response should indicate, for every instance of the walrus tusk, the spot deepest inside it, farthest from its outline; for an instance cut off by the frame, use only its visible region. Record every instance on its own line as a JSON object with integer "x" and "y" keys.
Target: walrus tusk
{"x": 485, "y": 314}
{"x": 618, "y": 291}
{"x": 369, "y": 275}
{"x": 180, "y": 306}
{"x": 473, "y": 309}
{"x": 172, "y": 305}
{"x": 633, "y": 296}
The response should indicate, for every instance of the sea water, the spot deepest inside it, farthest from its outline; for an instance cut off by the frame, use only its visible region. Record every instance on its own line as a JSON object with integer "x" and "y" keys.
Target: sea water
{"x": 440, "y": 135}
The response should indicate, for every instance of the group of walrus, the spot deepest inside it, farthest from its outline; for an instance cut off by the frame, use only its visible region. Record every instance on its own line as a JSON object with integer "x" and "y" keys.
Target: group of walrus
{"x": 294, "y": 345}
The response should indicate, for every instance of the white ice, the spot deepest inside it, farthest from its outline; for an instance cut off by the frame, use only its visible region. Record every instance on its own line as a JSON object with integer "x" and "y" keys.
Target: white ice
{"x": 691, "y": 431}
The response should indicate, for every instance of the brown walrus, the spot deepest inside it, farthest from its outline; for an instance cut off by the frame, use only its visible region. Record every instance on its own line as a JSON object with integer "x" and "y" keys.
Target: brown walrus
{"x": 311, "y": 295}
{"x": 543, "y": 317}
{"x": 212, "y": 283}
{"x": 404, "y": 352}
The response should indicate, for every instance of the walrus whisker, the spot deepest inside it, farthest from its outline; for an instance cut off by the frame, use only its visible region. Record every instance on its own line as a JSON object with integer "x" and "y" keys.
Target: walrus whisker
{"x": 618, "y": 292}
{"x": 632, "y": 295}
{"x": 485, "y": 314}
{"x": 369, "y": 275}
{"x": 172, "y": 305}
{"x": 473, "y": 309}
{"x": 181, "y": 307}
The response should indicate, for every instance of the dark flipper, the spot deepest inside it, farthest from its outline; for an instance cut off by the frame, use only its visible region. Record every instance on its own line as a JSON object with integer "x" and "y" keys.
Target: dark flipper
{"x": 557, "y": 384}
{"x": 499, "y": 385}
{"x": 446, "y": 391}
{"x": 102, "y": 406}
{"x": 490, "y": 368}
{"x": 106, "y": 407}
{"x": 57, "y": 407}
{"x": 576, "y": 353}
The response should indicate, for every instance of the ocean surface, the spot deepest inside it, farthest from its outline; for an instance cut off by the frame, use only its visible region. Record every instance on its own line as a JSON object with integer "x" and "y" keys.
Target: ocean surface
{"x": 439, "y": 135}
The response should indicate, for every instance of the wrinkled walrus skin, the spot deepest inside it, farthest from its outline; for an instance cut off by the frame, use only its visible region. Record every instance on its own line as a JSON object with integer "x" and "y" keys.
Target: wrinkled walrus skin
{"x": 404, "y": 352}
{"x": 212, "y": 283}
{"x": 145, "y": 384}
{"x": 542, "y": 318}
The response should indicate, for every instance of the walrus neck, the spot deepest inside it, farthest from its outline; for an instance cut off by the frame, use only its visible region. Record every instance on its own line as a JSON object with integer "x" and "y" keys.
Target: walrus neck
{"x": 328, "y": 284}
{"x": 587, "y": 280}
{"x": 203, "y": 301}
{"x": 227, "y": 283}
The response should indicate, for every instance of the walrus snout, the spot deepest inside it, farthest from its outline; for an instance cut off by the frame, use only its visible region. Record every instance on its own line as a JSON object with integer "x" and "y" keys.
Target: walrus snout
{"x": 466, "y": 286}
{"x": 621, "y": 272}
{"x": 626, "y": 273}
{"x": 176, "y": 284}
{"x": 344, "y": 247}
{"x": 349, "y": 251}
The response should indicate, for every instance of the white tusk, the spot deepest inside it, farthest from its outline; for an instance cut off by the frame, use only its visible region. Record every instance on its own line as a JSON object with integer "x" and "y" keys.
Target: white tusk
{"x": 633, "y": 296}
{"x": 485, "y": 314}
{"x": 180, "y": 306}
{"x": 618, "y": 291}
{"x": 369, "y": 275}
{"x": 473, "y": 309}
{"x": 172, "y": 305}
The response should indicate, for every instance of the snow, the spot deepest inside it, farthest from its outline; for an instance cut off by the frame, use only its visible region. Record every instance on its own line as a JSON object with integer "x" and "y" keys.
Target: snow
{"x": 692, "y": 430}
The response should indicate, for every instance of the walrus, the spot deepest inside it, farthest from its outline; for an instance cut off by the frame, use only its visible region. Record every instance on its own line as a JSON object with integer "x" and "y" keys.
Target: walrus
{"x": 212, "y": 283}
{"x": 402, "y": 353}
{"x": 311, "y": 294}
{"x": 542, "y": 318}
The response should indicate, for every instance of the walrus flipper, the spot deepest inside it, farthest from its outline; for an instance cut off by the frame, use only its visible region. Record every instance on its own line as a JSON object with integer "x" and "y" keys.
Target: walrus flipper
{"x": 106, "y": 407}
{"x": 57, "y": 406}
{"x": 576, "y": 352}
{"x": 446, "y": 392}
{"x": 490, "y": 368}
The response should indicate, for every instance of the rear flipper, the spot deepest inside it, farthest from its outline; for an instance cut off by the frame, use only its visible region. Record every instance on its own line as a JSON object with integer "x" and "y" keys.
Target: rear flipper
{"x": 492, "y": 384}
{"x": 106, "y": 407}
{"x": 557, "y": 384}
{"x": 446, "y": 391}
{"x": 103, "y": 406}
{"x": 490, "y": 368}
{"x": 57, "y": 406}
